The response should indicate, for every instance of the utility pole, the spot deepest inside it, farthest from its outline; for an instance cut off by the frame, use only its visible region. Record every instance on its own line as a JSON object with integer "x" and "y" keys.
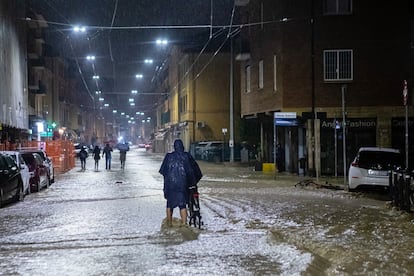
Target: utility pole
{"x": 405, "y": 95}
{"x": 231, "y": 136}
{"x": 343, "y": 89}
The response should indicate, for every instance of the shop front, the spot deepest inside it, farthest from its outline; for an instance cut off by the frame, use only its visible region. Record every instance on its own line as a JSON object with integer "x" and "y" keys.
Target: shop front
{"x": 360, "y": 132}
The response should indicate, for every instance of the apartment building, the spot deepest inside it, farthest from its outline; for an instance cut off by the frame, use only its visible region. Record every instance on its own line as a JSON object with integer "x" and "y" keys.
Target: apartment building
{"x": 13, "y": 75}
{"x": 196, "y": 105}
{"x": 321, "y": 63}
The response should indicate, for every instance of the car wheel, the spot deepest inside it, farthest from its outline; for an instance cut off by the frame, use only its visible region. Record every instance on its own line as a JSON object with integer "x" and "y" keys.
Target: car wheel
{"x": 53, "y": 179}
{"x": 1, "y": 197}
{"x": 48, "y": 182}
{"x": 19, "y": 193}
{"x": 38, "y": 185}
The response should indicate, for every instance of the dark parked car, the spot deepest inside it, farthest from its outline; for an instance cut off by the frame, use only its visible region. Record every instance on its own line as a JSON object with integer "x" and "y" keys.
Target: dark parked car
{"x": 11, "y": 184}
{"x": 39, "y": 177}
{"x": 214, "y": 153}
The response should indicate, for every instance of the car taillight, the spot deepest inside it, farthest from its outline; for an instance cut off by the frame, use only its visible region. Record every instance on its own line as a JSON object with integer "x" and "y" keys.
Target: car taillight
{"x": 354, "y": 164}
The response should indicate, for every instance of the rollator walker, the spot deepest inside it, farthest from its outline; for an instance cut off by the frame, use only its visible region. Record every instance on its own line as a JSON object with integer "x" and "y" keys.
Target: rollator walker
{"x": 194, "y": 207}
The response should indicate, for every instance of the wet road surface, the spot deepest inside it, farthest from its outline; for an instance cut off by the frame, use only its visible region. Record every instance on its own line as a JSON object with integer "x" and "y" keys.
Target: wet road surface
{"x": 112, "y": 223}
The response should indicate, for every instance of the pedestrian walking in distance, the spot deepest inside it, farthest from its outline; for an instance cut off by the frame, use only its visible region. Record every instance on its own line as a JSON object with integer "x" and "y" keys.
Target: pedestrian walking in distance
{"x": 180, "y": 171}
{"x": 123, "y": 148}
{"x": 96, "y": 156}
{"x": 83, "y": 154}
{"x": 107, "y": 152}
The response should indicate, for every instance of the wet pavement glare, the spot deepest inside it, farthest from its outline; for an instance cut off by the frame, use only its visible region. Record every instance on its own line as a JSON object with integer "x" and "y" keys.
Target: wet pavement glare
{"x": 113, "y": 223}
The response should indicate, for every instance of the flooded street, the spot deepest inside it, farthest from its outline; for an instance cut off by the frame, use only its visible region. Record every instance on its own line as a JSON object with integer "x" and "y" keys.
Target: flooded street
{"x": 112, "y": 223}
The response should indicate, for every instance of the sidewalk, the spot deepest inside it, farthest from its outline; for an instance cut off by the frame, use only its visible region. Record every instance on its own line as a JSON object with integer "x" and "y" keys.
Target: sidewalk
{"x": 237, "y": 168}
{"x": 248, "y": 172}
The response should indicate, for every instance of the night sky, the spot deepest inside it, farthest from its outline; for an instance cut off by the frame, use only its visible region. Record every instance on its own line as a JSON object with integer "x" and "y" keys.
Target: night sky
{"x": 119, "y": 37}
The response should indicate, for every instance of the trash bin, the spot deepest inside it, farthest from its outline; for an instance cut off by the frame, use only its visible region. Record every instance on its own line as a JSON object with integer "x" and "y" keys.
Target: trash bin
{"x": 258, "y": 166}
{"x": 302, "y": 163}
{"x": 244, "y": 155}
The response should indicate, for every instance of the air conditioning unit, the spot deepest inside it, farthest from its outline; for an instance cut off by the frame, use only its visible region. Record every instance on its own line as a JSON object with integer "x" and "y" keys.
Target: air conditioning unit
{"x": 241, "y": 2}
{"x": 201, "y": 124}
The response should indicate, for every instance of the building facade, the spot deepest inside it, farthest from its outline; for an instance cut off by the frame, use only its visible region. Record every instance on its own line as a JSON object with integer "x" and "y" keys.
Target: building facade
{"x": 324, "y": 63}
{"x": 197, "y": 105}
{"x": 13, "y": 76}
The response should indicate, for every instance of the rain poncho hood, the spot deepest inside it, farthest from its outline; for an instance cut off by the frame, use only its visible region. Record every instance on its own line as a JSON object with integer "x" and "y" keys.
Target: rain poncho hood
{"x": 180, "y": 171}
{"x": 178, "y": 146}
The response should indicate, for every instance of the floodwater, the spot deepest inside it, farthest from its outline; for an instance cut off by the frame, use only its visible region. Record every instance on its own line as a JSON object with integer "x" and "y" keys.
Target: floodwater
{"x": 112, "y": 223}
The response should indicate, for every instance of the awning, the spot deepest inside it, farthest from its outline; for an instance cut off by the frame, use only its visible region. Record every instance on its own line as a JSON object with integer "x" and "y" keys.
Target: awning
{"x": 159, "y": 136}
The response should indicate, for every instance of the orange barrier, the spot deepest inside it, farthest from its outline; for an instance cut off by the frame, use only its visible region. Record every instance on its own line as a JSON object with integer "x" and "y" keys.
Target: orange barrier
{"x": 61, "y": 152}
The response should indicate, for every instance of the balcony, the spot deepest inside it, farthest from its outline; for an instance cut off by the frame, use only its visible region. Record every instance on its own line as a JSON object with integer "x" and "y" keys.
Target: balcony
{"x": 38, "y": 88}
{"x": 38, "y": 64}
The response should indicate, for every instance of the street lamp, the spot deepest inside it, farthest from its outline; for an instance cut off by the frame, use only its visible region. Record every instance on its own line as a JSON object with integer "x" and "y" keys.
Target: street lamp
{"x": 79, "y": 29}
{"x": 162, "y": 42}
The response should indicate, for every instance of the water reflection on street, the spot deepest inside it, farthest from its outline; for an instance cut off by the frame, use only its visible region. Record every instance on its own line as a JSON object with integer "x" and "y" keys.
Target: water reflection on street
{"x": 112, "y": 223}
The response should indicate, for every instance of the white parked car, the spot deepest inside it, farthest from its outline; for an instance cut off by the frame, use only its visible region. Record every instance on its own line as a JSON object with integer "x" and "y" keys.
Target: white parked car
{"x": 24, "y": 169}
{"x": 371, "y": 167}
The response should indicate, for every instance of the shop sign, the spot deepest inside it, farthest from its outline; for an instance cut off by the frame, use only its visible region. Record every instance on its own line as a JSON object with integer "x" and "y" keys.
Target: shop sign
{"x": 357, "y": 123}
{"x": 285, "y": 119}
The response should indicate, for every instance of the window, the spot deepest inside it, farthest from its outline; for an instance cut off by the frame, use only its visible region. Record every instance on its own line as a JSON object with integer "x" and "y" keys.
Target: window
{"x": 338, "y": 65}
{"x": 334, "y": 7}
{"x": 260, "y": 74}
{"x": 248, "y": 76}
{"x": 274, "y": 73}
{"x": 183, "y": 104}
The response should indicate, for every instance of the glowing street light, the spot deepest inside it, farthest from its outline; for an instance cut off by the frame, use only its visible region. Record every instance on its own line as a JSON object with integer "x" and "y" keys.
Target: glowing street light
{"x": 161, "y": 42}
{"x": 79, "y": 29}
{"x": 148, "y": 61}
{"x": 95, "y": 77}
{"x": 90, "y": 57}
{"x": 139, "y": 76}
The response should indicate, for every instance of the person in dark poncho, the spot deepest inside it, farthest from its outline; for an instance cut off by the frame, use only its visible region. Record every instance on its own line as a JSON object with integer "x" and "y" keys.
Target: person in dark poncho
{"x": 180, "y": 171}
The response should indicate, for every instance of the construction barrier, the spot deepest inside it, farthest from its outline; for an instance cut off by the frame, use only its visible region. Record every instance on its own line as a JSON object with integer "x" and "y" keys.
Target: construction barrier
{"x": 402, "y": 189}
{"x": 60, "y": 151}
